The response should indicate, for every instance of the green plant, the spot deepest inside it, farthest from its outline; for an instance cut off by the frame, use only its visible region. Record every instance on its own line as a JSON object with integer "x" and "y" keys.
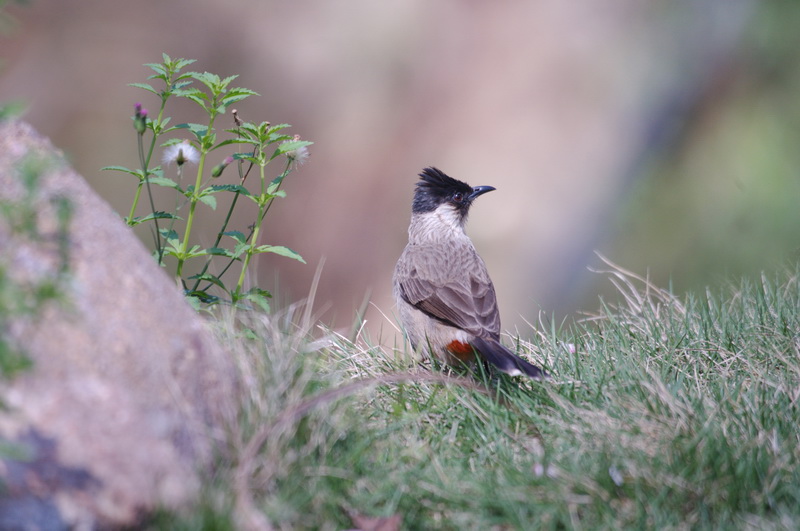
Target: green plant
{"x": 24, "y": 293}
{"x": 8, "y": 26}
{"x": 262, "y": 143}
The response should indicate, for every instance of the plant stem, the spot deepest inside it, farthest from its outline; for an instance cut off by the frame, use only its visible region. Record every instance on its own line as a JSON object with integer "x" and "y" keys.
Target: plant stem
{"x": 144, "y": 161}
{"x": 259, "y": 221}
{"x": 135, "y": 201}
{"x": 262, "y": 208}
{"x": 194, "y": 199}
{"x": 178, "y": 205}
{"x": 221, "y": 232}
{"x": 190, "y": 218}
{"x": 152, "y": 203}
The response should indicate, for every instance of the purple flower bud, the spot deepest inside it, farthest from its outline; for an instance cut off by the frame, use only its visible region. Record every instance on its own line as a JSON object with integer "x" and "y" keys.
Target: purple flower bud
{"x": 140, "y": 118}
{"x": 219, "y": 168}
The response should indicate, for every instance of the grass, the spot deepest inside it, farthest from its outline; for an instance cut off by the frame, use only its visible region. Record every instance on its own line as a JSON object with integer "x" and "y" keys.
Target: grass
{"x": 661, "y": 413}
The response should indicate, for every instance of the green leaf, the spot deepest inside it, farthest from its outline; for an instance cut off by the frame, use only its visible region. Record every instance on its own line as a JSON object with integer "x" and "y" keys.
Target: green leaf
{"x": 240, "y": 248}
{"x": 235, "y": 141}
{"x": 276, "y": 182}
{"x": 275, "y": 137}
{"x": 236, "y": 235}
{"x": 227, "y": 81}
{"x": 166, "y": 182}
{"x": 173, "y": 141}
{"x": 207, "y": 277}
{"x": 193, "y": 94}
{"x": 220, "y": 251}
{"x": 228, "y": 188}
{"x": 208, "y": 141}
{"x": 248, "y": 157}
{"x": 194, "y": 252}
{"x": 259, "y": 199}
{"x": 210, "y": 200}
{"x": 171, "y": 236}
{"x": 163, "y": 78}
{"x": 172, "y": 250}
{"x": 180, "y": 64}
{"x": 194, "y": 302}
{"x": 201, "y": 297}
{"x": 250, "y": 128}
{"x": 281, "y": 250}
{"x": 291, "y": 145}
{"x": 182, "y": 79}
{"x": 198, "y": 130}
{"x": 236, "y": 95}
{"x": 259, "y": 291}
{"x": 259, "y": 297}
{"x": 208, "y": 79}
{"x": 155, "y": 215}
{"x": 263, "y": 199}
{"x": 146, "y": 87}
{"x": 157, "y": 68}
{"x": 180, "y": 85}
{"x": 241, "y": 91}
{"x": 123, "y": 169}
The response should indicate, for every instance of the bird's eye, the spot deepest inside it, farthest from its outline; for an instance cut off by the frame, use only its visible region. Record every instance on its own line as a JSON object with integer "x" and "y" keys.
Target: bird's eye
{"x": 458, "y": 197}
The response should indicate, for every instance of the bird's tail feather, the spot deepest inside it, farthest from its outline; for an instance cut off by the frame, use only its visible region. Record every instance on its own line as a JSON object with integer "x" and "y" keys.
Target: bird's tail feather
{"x": 505, "y": 360}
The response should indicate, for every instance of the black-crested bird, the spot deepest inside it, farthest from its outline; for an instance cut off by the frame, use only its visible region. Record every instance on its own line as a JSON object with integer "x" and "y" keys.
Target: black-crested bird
{"x": 445, "y": 299}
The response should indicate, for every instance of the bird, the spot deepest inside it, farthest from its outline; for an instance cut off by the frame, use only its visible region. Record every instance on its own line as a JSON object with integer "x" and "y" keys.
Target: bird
{"x": 445, "y": 299}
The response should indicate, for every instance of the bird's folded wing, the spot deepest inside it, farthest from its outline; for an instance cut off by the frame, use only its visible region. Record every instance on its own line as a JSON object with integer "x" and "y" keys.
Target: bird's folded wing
{"x": 464, "y": 297}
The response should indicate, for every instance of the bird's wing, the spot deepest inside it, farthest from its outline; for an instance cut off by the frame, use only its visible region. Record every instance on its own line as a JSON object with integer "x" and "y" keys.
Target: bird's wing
{"x": 451, "y": 285}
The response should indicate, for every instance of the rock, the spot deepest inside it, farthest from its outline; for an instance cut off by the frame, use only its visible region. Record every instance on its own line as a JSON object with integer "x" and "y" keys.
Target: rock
{"x": 128, "y": 390}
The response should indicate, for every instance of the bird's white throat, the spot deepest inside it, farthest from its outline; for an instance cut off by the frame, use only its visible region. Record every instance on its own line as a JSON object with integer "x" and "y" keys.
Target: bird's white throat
{"x": 444, "y": 223}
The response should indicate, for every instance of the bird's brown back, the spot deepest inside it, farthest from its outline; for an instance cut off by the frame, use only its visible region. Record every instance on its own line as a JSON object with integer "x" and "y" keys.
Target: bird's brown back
{"x": 449, "y": 281}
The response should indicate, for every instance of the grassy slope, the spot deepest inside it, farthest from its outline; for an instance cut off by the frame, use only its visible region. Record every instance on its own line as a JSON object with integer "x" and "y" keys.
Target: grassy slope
{"x": 669, "y": 413}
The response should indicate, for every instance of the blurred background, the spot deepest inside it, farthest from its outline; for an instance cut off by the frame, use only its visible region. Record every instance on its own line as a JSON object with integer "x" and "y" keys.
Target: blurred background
{"x": 665, "y": 135}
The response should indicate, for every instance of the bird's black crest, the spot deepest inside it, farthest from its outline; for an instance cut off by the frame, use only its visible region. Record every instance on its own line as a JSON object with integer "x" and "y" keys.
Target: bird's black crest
{"x": 434, "y": 188}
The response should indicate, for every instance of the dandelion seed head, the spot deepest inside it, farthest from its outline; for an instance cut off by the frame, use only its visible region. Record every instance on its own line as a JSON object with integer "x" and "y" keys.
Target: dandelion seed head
{"x": 180, "y": 154}
{"x": 298, "y": 156}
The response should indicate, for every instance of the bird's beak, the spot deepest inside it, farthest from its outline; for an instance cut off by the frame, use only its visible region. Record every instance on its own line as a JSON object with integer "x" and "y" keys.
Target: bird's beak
{"x": 480, "y": 190}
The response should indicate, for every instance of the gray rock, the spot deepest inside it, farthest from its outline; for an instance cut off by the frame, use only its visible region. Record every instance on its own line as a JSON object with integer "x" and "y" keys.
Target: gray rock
{"x": 128, "y": 389}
